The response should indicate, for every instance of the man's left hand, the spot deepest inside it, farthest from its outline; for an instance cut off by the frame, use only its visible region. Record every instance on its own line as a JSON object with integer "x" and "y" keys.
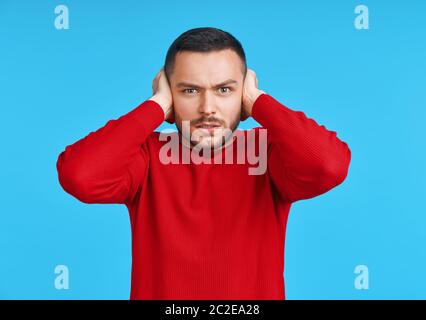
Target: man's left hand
{"x": 250, "y": 93}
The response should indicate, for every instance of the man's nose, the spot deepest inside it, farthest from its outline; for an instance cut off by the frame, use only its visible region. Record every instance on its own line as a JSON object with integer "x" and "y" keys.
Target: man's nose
{"x": 207, "y": 103}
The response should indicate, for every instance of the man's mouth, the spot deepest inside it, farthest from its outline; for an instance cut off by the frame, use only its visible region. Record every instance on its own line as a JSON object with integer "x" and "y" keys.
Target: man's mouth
{"x": 208, "y": 125}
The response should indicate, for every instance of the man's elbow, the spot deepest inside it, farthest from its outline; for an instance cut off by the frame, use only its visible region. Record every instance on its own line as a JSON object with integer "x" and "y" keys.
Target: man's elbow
{"x": 337, "y": 172}
{"x": 73, "y": 180}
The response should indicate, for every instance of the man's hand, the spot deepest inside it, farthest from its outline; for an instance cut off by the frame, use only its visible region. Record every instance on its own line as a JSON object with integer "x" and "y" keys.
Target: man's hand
{"x": 163, "y": 95}
{"x": 250, "y": 93}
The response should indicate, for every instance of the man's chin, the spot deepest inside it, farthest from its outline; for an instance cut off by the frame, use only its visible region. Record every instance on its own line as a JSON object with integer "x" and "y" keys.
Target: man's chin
{"x": 212, "y": 141}
{"x": 215, "y": 139}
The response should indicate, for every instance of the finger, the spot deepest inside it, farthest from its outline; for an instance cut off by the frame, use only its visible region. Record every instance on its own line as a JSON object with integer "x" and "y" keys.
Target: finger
{"x": 155, "y": 82}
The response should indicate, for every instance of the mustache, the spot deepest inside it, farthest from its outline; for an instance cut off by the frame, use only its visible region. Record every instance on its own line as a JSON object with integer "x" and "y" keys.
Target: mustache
{"x": 211, "y": 119}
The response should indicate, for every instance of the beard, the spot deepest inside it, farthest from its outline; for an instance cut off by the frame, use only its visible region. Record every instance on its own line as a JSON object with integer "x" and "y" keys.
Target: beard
{"x": 214, "y": 141}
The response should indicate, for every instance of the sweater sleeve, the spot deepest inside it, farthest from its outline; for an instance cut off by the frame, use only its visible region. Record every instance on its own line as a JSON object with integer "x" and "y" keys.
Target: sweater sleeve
{"x": 108, "y": 165}
{"x": 304, "y": 158}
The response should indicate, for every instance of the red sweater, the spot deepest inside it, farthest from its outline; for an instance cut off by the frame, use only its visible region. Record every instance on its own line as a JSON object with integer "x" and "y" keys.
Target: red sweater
{"x": 205, "y": 231}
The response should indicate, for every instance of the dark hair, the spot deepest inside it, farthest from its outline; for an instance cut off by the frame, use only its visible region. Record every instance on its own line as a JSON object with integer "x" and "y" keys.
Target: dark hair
{"x": 203, "y": 40}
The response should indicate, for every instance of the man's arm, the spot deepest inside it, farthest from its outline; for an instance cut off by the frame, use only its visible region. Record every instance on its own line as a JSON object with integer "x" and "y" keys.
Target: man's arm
{"x": 304, "y": 158}
{"x": 108, "y": 165}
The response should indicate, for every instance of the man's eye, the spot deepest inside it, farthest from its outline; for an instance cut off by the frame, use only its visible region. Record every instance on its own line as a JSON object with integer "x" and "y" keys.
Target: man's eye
{"x": 227, "y": 89}
{"x": 189, "y": 90}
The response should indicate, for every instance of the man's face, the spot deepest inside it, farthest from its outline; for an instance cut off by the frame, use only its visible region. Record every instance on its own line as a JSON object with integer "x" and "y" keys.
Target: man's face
{"x": 207, "y": 87}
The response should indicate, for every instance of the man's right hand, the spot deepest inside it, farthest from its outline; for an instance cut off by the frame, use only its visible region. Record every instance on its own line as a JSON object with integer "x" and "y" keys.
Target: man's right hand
{"x": 163, "y": 95}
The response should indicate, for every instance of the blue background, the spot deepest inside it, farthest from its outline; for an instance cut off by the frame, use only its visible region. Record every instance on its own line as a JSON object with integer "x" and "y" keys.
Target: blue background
{"x": 367, "y": 85}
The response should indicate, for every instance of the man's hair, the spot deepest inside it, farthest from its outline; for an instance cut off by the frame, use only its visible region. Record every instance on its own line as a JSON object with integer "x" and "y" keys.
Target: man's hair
{"x": 205, "y": 39}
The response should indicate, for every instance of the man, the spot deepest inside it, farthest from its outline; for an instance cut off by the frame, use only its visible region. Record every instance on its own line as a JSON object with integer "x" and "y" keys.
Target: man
{"x": 206, "y": 230}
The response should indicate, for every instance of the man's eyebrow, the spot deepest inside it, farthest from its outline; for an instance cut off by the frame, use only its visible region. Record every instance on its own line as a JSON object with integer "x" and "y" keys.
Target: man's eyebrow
{"x": 191, "y": 85}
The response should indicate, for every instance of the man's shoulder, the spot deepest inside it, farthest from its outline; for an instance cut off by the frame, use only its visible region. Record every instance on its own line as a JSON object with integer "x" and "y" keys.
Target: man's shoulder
{"x": 161, "y": 137}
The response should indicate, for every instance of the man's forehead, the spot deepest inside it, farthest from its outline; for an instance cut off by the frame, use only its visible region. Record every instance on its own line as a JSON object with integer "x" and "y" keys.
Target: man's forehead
{"x": 215, "y": 67}
{"x": 213, "y": 76}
